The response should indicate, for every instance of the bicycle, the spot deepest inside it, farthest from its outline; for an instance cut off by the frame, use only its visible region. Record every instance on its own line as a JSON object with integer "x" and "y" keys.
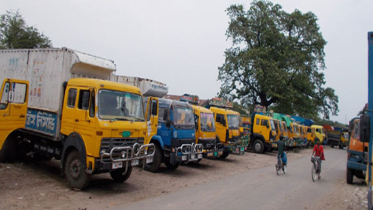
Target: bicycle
{"x": 315, "y": 168}
{"x": 280, "y": 166}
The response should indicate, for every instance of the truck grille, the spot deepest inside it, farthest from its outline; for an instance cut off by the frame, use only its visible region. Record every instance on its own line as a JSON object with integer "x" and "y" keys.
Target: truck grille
{"x": 108, "y": 143}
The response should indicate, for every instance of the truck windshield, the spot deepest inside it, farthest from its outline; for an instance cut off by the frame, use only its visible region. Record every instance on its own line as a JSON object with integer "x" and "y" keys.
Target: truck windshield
{"x": 233, "y": 121}
{"x": 207, "y": 122}
{"x": 273, "y": 125}
{"x": 183, "y": 116}
{"x": 280, "y": 125}
{"x": 285, "y": 128}
{"x": 296, "y": 129}
{"x": 117, "y": 105}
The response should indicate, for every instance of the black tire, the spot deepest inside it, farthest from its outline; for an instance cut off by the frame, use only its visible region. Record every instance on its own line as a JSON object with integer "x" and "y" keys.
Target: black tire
{"x": 225, "y": 155}
{"x": 118, "y": 175}
{"x": 157, "y": 160}
{"x": 349, "y": 176}
{"x": 170, "y": 166}
{"x": 277, "y": 170}
{"x": 340, "y": 146}
{"x": 75, "y": 172}
{"x": 332, "y": 145}
{"x": 258, "y": 146}
{"x": 8, "y": 152}
{"x": 313, "y": 173}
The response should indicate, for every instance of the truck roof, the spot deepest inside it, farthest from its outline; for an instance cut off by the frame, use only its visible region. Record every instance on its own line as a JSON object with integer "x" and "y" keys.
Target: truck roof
{"x": 103, "y": 84}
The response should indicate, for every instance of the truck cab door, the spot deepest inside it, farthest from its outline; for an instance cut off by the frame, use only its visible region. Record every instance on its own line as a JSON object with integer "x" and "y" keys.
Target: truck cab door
{"x": 13, "y": 106}
{"x": 152, "y": 108}
{"x": 220, "y": 126}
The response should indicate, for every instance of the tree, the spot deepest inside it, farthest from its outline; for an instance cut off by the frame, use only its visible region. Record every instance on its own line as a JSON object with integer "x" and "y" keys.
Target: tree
{"x": 15, "y": 34}
{"x": 276, "y": 60}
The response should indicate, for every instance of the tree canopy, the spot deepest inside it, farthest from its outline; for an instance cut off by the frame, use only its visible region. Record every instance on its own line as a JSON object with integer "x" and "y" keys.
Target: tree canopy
{"x": 276, "y": 60}
{"x": 15, "y": 34}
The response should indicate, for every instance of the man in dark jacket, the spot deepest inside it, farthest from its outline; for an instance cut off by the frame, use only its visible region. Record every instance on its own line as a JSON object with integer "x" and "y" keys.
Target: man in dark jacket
{"x": 280, "y": 147}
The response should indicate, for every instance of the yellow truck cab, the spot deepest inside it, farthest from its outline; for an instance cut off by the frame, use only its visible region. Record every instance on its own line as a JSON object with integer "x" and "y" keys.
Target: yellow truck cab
{"x": 92, "y": 125}
{"x": 227, "y": 130}
{"x": 263, "y": 133}
{"x": 206, "y": 132}
{"x": 317, "y": 134}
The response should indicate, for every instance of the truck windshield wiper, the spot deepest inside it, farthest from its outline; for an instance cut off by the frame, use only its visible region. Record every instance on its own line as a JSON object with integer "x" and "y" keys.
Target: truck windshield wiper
{"x": 137, "y": 119}
{"x": 120, "y": 118}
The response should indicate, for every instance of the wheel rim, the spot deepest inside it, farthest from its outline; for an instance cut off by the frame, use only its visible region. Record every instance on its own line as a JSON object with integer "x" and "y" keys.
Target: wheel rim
{"x": 75, "y": 169}
{"x": 257, "y": 147}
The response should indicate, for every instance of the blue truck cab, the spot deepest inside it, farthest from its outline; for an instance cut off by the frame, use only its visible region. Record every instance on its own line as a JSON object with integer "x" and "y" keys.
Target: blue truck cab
{"x": 175, "y": 140}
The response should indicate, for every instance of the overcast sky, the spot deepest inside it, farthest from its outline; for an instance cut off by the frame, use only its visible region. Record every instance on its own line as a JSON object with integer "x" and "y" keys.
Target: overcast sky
{"x": 182, "y": 43}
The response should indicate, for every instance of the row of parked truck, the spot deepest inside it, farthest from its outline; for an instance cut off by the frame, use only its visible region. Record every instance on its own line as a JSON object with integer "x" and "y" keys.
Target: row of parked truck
{"x": 71, "y": 106}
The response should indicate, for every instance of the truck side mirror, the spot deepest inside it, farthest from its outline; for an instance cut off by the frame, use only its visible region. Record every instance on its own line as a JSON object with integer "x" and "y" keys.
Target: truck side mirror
{"x": 11, "y": 96}
{"x": 168, "y": 123}
{"x": 154, "y": 107}
{"x": 364, "y": 128}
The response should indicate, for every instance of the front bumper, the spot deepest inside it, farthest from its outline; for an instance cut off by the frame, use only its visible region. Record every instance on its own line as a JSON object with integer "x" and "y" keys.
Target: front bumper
{"x": 187, "y": 153}
{"x": 239, "y": 146}
{"x": 120, "y": 158}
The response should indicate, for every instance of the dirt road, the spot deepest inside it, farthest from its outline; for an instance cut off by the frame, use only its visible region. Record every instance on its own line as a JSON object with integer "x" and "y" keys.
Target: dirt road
{"x": 37, "y": 185}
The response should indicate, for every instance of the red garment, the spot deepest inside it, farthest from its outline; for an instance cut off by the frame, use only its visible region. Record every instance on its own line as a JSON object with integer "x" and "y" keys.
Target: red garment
{"x": 319, "y": 151}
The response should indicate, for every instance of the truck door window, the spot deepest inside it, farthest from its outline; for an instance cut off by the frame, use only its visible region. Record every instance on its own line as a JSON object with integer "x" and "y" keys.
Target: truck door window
{"x": 257, "y": 121}
{"x": 71, "y": 98}
{"x": 309, "y": 130}
{"x": 83, "y": 99}
{"x": 264, "y": 122}
{"x": 4, "y": 96}
{"x": 219, "y": 118}
{"x": 318, "y": 130}
{"x": 19, "y": 93}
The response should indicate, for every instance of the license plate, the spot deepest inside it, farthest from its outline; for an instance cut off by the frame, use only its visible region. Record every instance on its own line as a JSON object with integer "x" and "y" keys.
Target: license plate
{"x": 215, "y": 154}
{"x": 193, "y": 157}
{"x": 149, "y": 160}
{"x": 199, "y": 156}
{"x": 117, "y": 165}
{"x": 135, "y": 162}
{"x": 209, "y": 154}
{"x": 184, "y": 158}
{"x": 241, "y": 149}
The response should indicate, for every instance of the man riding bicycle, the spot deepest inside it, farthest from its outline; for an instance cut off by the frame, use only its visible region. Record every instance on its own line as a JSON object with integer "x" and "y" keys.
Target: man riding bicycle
{"x": 281, "y": 148}
{"x": 318, "y": 151}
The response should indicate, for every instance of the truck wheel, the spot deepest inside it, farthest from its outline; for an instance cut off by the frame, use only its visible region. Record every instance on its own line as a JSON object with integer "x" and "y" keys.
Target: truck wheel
{"x": 258, "y": 146}
{"x": 8, "y": 152}
{"x": 168, "y": 164}
{"x": 75, "y": 172}
{"x": 157, "y": 160}
{"x": 119, "y": 176}
{"x": 340, "y": 146}
{"x": 349, "y": 176}
{"x": 224, "y": 155}
{"x": 332, "y": 145}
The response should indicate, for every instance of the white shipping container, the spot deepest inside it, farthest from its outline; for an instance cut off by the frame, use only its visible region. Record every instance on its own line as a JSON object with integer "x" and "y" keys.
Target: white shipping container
{"x": 148, "y": 87}
{"x": 47, "y": 70}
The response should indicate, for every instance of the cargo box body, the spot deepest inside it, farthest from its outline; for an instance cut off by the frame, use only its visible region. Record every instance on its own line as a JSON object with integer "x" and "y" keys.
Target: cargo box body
{"x": 47, "y": 70}
{"x": 148, "y": 87}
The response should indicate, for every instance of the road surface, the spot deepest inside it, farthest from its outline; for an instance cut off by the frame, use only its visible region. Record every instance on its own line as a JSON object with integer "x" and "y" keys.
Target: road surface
{"x": 258, "y": 188}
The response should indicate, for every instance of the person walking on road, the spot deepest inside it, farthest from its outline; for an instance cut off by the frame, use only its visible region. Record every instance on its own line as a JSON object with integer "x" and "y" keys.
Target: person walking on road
{"x": 318, "y": 151}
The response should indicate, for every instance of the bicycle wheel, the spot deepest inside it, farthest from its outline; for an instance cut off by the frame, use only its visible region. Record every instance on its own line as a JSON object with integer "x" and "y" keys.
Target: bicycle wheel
{"x": 277, "y": 170}
{"x": 314, "y": 173}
